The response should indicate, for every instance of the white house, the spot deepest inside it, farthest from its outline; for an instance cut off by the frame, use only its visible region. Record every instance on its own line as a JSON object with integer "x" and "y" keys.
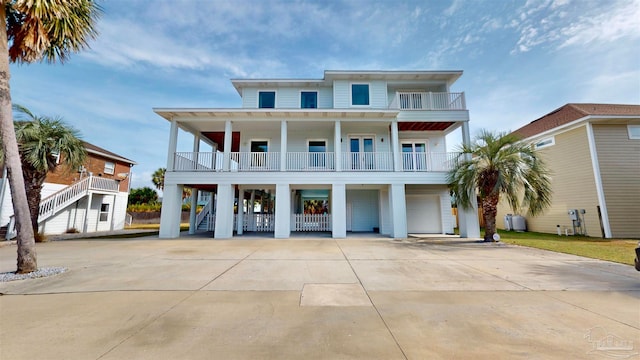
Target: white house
{"x": 355, "y": 151}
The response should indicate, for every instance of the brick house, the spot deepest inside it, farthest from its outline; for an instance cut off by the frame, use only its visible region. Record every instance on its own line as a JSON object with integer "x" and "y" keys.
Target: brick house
{"x": 91, "y": 198}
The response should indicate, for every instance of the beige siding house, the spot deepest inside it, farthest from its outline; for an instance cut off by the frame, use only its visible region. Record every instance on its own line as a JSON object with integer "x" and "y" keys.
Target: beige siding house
{"x": 593, "y": 152}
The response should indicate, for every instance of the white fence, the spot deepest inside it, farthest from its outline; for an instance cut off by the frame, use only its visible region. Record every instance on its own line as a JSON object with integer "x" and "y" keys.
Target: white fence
{"x": 311, "y": 222}
{"x": 432, "y": 161}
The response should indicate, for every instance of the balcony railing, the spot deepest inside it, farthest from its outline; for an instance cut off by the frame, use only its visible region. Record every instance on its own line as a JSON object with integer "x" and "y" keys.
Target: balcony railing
{"x": 312, "y": 162}
{"x": 415, "y": 100}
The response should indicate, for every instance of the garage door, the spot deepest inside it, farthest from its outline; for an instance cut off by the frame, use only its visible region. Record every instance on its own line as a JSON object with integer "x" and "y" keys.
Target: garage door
{"x": 423, "y": 214}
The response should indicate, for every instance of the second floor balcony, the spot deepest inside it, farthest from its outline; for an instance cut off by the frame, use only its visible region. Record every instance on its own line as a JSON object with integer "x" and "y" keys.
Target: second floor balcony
{"x": 313, "y": 161}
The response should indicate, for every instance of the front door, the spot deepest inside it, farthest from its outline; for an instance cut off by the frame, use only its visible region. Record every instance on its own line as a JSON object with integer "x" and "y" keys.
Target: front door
{"x": 361, "y": 152}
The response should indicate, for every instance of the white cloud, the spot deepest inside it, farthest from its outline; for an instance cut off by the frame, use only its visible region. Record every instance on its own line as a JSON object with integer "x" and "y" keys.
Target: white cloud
{"x": 560, "y": 23}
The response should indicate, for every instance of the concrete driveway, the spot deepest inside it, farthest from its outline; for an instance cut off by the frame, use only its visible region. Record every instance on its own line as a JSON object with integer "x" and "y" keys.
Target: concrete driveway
{"x": 311, "y": 298}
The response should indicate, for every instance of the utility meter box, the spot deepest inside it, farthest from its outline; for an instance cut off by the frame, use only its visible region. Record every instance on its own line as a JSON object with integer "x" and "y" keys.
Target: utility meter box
{"x": 574, "y": 214}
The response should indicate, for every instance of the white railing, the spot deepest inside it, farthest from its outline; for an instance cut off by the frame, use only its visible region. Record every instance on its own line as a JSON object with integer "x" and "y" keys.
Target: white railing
{"x": 61, "y": 199}
{"x": 311, "y": 222}
{"x": 433, "y": 161}
{"x": 314, "y": 162}
{"x": 416, "y": 100}
{"x": 367, "y": 161}
{"x": 256, "y": 161}
{"x": 197, "y": 161}
{"x": 305, "y": 161}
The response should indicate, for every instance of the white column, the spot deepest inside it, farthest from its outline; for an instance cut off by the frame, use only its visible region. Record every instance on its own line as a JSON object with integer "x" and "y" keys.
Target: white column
{"x": 192, "y": 212}
{"x": 240, "y": 219}
{"x": 173, "y": 144}
{"x": 283, "y": 145}
{"x": 468, "y": 223}
{"x": 228, "y": 131}
{"x": 338, "y": 211}
{"x": 398, "y": 211}
{"x": 86, "y": 213}
{"x": 283, "y": 211}
{"x": 397, "y": 159}
{"x": 171, "y": 211}
{"x": 252, "y": 203}
{"x": 224, "y": 212}
{"x": 385, "y": 228}
{"x": 337, "y": 145}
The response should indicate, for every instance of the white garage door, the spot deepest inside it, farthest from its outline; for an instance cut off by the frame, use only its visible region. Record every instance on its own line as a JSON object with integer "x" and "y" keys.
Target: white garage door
{"x": 423, "y": 214}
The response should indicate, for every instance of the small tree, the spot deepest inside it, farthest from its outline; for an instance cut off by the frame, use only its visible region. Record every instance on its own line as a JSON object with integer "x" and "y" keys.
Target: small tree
{"x": 45, "y": 144}
{"x": 500, "y": 165}
{"x": 145, "y": 195}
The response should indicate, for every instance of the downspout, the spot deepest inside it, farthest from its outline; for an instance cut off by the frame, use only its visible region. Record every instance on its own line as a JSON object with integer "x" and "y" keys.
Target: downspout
{"x": 598, "y": 180}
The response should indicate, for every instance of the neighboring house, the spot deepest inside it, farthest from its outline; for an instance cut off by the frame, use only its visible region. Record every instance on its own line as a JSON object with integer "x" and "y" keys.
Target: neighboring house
{"x": 91, "y": 198}
{"x": 356, "y": 151}
{"x": 593, "y": 152}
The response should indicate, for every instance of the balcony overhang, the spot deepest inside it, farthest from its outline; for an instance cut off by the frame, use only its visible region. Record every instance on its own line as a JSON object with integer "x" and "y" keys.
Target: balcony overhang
{"x": 239, "y": 114}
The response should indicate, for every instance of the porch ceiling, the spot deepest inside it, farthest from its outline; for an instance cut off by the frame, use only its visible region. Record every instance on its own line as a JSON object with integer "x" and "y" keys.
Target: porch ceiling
{"x": 204, "y": 114}
{"x": 424, "y": 126}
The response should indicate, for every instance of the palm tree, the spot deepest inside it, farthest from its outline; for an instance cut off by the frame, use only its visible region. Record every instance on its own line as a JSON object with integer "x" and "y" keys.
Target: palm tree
{"x": 157, "y": 178}
{"x": 37, "y": 30}
{"x": 43, "y": 142}
{"x": 498, "y": 164}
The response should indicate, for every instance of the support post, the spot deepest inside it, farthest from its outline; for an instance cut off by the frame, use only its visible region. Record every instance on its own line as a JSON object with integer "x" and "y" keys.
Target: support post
{"x": 338, "y": 211}
{"x": 193, "y": 211}
{"x": 398, "y": 211}
{"x": 283, "y": 212}
{"x": 173, "y": 144}
{"x": 228, "y": 131}
{"x": 86, "y": 213}
{"x": 224, "y": 212}
{"x": 240, "y": 218}
{"x": 171, "y": 211}
{"x": 397, "y": 159}
{"x": 283, "y": 145}
{"x": 337, "y": 145}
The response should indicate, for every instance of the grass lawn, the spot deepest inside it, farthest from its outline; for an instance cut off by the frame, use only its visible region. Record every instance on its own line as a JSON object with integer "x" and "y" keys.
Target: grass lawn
{"x": 183, "y": 226}
{"x": 617, "y": 250}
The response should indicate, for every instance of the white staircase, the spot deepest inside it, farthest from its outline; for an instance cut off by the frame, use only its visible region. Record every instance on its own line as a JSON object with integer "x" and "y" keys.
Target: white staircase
{"x": 204, "y": 219}
{"x": 50, "y": 205}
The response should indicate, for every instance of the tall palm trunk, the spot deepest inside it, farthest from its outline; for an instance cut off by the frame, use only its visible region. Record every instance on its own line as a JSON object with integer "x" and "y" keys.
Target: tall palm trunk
{"x": 33, "y": 188}
{"x": 27, "y": 260}
{"x": 489, "y": 212}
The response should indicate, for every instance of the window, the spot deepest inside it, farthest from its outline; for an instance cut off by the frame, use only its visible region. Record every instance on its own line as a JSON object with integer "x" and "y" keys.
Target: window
{"x": 104, "y": 212}
{"x": 309, "y": 100}
{"x": 414, "y": 156}
{"x": 359, "y": 94}
{"x": 634, "y": 132}
{"x": 545, "y": 143}
{"x": 317, "y": 150}
{"x": 109, "y": 167}
{"x": 266, "y": 99}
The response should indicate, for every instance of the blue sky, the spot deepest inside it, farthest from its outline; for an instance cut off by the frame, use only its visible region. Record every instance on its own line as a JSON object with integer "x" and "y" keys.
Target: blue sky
{"x": 521, "y": 59}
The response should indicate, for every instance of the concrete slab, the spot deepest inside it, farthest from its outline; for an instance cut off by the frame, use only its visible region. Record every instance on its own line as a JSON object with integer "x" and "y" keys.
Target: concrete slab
{"x": 334, "y": 295}
{"x": 260, "y": 325}
{"x": 488, "y": 325}
{"x": 416, "y": 275}
{"x": 77, "y": 326}
{"x": 199, "y": 298}
{"x": 283, "y": 275}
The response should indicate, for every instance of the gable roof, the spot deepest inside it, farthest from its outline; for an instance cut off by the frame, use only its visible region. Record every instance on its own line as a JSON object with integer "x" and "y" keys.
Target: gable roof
{"x": 93, "y": 149}
{"x": 571, "y": 112}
